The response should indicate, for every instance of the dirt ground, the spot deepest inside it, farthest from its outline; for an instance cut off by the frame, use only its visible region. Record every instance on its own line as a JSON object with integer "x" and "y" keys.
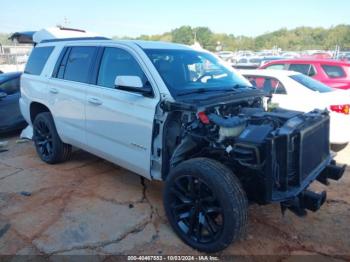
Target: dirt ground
{"x": 89, "y": 206}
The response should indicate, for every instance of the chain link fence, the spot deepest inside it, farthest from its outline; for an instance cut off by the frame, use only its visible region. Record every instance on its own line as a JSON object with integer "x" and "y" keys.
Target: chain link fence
{"x": 14, "y": 57}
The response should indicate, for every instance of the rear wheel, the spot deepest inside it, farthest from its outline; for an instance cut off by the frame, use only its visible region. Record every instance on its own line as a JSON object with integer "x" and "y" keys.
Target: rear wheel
{"x": 205, "y": 204}
{"x": 48, "y": 144}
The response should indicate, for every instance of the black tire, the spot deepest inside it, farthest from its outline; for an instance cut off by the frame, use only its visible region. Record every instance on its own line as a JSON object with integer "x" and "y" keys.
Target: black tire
{"x": 338, "y": 147}
{"x": 219, "y": 211}
{"x": 48, "y": 144}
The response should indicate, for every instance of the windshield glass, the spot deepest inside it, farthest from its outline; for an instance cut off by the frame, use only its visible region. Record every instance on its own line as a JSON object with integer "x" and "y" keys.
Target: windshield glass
{"x": 311, "y": 83}
{"x": 189, "y": 71}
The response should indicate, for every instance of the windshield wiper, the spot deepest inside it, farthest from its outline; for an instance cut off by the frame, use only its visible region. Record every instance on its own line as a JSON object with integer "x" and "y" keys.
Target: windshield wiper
{"x": 204, "y": 90}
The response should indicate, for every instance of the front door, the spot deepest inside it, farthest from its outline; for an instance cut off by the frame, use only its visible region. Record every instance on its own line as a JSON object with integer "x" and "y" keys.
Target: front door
{"x": 119, "y": 123}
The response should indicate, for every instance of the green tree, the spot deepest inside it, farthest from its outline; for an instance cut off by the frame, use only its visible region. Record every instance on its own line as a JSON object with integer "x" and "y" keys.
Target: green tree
{"x": 183, "y": 35}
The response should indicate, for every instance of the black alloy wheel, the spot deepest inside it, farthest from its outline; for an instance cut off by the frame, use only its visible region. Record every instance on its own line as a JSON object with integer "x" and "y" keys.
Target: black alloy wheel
{"x": 205, "y": 204}
{"x": 196, "y": 209}
{"x": 48, "y": 144}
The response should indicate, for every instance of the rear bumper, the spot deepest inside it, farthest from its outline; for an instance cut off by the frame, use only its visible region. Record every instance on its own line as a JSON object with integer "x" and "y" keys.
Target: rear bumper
{"x": 24, "y": 107}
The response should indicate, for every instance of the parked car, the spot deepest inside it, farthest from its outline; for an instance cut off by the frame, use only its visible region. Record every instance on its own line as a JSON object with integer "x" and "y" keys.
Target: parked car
{"x": 168, "y": 112}
{"x": 10, "y": 115}
{"x": 295, "y": 91}
{"x": 333, "y": 73}
{"x": 266, "y": 59}
{"x": 227, "y": 56}
{"x": 248, "y": 62}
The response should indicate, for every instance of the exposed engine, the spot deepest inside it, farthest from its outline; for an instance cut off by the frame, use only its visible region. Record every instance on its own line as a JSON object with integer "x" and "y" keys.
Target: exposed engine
{"x": 275, "y": 154}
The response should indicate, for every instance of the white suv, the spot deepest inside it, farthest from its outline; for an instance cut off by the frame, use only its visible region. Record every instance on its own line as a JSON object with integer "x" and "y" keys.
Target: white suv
{"x": 168, "y": 112}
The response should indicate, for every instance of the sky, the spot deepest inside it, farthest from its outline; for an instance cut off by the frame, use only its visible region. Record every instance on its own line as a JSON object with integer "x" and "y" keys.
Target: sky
{"x": 135, "y": 17}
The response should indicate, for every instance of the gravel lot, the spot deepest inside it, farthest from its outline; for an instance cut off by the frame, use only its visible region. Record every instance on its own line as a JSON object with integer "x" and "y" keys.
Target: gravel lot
{"x": 90, "y": 206}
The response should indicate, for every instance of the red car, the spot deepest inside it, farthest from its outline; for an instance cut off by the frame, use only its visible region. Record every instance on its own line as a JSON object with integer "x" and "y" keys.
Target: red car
{"x": 333, "y": 73}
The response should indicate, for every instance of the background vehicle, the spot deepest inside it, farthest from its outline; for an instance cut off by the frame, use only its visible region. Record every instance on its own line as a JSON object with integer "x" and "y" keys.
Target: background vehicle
{"x": 227, "y": 56}
{"x": 248, "y": 62}
{"x": 295, "y": 91}
{"x": 169, "y": 112}
{"x": 10, "y": 115}
{"x": 333, "y": 73}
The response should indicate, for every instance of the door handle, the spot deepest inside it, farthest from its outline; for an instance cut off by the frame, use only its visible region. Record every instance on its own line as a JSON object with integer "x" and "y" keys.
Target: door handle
{"x": 95, "y": 101}
{"x": 53, "y": 91}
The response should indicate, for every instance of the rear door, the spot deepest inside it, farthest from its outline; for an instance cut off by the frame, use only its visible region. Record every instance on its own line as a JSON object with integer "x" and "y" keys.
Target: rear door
{"x": 336, "y": 76}
{"x": 67, "y": 92}
{"x": 119, "y": 123}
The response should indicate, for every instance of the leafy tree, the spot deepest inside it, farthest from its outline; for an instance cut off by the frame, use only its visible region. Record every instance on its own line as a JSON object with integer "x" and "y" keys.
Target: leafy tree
{"x": 183, "y": 35}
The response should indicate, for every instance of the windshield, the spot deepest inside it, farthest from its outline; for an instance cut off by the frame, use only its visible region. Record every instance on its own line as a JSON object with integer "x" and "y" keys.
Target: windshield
{"x": 189, "y": 71}
{"x": 312, "y": 84}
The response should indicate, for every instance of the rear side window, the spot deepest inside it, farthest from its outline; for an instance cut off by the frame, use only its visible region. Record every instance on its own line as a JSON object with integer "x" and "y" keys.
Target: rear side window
{"x": 78, "y": 63}
{"x": 269, "y": 85}
{"x": 333, "y": 71}
{"x": 276, "y": 66}
{"x": 305, "y": 69}
{"x": 37, "y": 60}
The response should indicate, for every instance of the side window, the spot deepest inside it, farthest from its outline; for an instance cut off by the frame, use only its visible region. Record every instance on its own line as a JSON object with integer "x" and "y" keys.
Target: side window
{"x": 37, "y": 60}
{"x": 333, "y": 71}
{"x": 242, "y": 60}
{"x": 276, "y": 66}
{"x": 10, "y": 87}
{"x": 118, "y": 62}
{"x": 76, "y": 65}
{"x": 305, "y": 69}
{"x": 267, "y": 84}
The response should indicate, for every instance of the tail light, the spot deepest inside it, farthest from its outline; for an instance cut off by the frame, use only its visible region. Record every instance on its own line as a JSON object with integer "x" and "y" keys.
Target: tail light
{"x": 344, "y": 109}
{"x": 203, "y": 118}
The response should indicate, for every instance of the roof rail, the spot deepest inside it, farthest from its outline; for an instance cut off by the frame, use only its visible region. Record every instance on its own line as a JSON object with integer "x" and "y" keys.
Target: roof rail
{"x": 75, "y": 39}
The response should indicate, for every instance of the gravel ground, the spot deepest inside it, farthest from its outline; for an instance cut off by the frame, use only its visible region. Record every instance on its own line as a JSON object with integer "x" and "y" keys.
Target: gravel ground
{"x": 89, "y": 206}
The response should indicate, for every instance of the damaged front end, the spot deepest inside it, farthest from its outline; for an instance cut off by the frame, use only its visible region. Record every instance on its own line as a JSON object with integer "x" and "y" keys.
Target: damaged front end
{"x": 276, "y": 154}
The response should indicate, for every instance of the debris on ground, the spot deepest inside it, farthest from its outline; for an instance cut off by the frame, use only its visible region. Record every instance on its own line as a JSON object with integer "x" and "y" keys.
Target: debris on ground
{"x": 21, "y": 141}
{"x": 27, "y": 133}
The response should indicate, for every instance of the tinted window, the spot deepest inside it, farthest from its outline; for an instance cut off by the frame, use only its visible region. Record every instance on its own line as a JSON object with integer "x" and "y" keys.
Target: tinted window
{"x": 276, "y": 66}
{"x": 311, "y": 83}
{"x": 269, "y": 85}
{"x": 118, "y": 62}
{"x": 78, "y": 64}
{"x": 305, "y": 69}
{"x": 333, "y": 71}
{"x": 37, "y": 60}
{"x": 10, "y": 87}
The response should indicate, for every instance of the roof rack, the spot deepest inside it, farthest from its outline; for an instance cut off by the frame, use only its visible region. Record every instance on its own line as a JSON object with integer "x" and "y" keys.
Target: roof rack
{"x": 75, "y": 39}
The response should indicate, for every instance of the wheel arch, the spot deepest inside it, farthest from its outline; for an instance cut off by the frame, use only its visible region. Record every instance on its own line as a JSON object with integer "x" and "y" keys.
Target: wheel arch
{"x": 37, "y": 108}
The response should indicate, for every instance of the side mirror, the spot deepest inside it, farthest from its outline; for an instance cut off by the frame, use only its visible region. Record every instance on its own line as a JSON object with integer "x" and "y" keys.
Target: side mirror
{"x": 132, "y": 84}
{"x": 2, "y": 95}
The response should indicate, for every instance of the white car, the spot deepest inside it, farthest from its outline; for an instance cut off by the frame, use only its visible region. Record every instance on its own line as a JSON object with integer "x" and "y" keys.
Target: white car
{"x": 295, "y": 91}
{"x": 169, "y": 112}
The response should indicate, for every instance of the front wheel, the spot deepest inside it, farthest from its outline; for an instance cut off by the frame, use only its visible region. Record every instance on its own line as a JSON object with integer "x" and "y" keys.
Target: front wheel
{"x": 205, "y": 204}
